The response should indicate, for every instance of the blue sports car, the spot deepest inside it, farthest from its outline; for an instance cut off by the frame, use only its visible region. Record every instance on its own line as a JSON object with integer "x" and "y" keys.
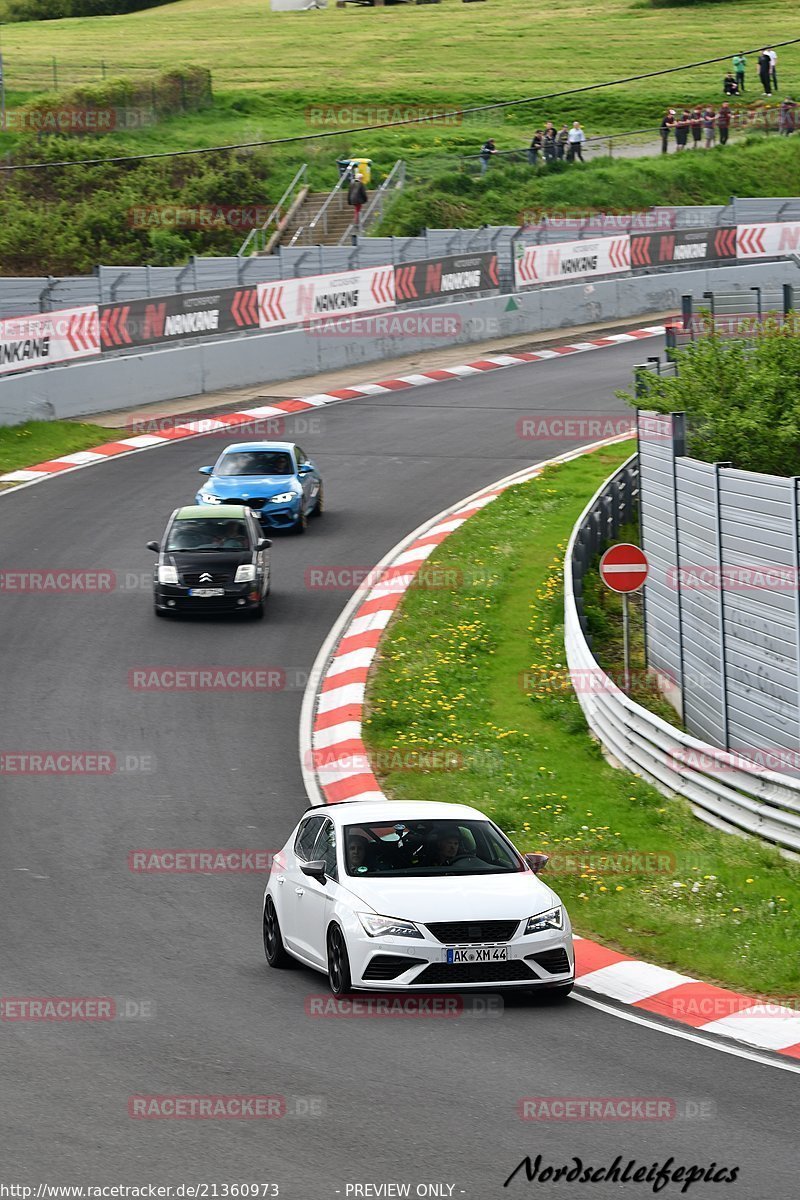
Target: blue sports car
{"x": 277, "y": 480}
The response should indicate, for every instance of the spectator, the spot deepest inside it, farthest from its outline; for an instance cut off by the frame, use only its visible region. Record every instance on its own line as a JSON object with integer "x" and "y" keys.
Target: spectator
{"x": 487, "y": 150}
{"x": 535, "y": 148}
{"x": 667, "y": 123}
{"x": 576, "y": 137}
{"x": 739, "y": 63}
{"x": 549, "y": 142}
{"x": 696, "y": 126}
{"x": 773, "y": 68}
{"x": 788, "y": 116}
{"x": 724, "y": 122}
{"x": 764, "y": 69}
{"x": 357, "y": 196}
{"x": 682, "y": 130}
{"x": 562, "y": 137}
{"x": 709, "y": 125}
{"x": 729, "y": 85}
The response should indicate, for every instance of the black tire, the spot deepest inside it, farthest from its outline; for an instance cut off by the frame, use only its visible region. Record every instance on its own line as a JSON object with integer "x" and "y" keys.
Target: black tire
{"x": 160, "y": 612}
{"x": 339, "y": 978}
{"x": 274, "y": 949}
{"x": 258, "y": 611}
{"x": 301, "y": 525}
{"x": 319, "y": 507}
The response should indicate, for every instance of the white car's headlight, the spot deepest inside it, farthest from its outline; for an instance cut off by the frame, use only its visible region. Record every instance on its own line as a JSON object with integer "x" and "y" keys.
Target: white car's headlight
{"x": 245, "y": 574}
{"x": 387, "y": 926}
{"x": 552, "y": 919}
{"x": 167, "y": 574}
{"x": 210, "y": 498}
{"x": 283, "y": 498}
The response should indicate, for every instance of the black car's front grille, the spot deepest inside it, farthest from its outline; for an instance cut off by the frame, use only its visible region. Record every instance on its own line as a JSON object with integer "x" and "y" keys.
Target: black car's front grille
{"x": 462, "y": 932}
{"x": 254, "y": 502}
{"x": 514, "y": 971}
{"x": 201, "y": 578}
{"x": 555, "y": 962}
{"x": 389, "y": 966}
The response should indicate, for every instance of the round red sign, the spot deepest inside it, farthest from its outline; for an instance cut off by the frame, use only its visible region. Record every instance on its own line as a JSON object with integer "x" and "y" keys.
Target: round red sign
{"x": 624, "y": 568}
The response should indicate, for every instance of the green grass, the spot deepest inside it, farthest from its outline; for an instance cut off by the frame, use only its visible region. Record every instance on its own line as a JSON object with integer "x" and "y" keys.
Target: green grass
{"x": 439, "y": 54}
{"x": 449, "y": 679}
{"x": 37, "y": 441}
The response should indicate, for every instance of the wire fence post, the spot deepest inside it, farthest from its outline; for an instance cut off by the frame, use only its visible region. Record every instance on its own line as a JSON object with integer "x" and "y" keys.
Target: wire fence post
{"x": 55, "y": 74}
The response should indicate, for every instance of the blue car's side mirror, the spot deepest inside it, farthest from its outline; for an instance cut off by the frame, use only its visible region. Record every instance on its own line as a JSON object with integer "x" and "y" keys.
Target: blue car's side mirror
{"x": 205, "y": 470}
{"x": 304, "y": 468}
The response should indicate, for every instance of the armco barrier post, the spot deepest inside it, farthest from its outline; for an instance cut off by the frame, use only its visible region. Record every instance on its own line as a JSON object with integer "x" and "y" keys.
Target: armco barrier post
{"x": 686, "y": 312}
{"x": 788, "y": 300}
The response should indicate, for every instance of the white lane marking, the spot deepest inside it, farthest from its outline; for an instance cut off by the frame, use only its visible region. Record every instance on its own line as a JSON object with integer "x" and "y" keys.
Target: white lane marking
{"x": 689, "y": 1036}
{"x": 79, "y": 457}
{"x": 351, "y": 693}
{"x": 771, "y": 1026}
{"x": 351, "y": 661}
{"x": 374, "y": 620}
{"x": 336, "y": 735}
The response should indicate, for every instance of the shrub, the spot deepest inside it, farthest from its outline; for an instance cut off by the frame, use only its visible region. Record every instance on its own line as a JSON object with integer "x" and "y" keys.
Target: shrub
{"x": 54, "y": 10}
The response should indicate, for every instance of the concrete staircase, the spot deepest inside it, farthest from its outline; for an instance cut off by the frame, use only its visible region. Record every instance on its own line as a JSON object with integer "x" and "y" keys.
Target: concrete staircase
{"x": 329, "y": 227}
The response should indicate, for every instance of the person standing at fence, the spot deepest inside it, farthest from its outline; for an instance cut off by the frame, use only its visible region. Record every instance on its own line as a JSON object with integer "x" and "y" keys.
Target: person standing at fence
{"x": 764, "y": 69}
{"x": 724, "y": 122}
{"x": 549, "y": 142}
{"x": 667, "y": 123}
{"x": 773, "y": 68}
{"x": 739, "y": 63}
{"x": 696, "y": 126}
{"x": 562, "y": 138}
{"x": 788, "y": 116}
{"x": 488, "y": 149}
{"x": 709, "y": 125}
{"x": 576, "y": 138}
{"x": 535, "y": 148}
{"x": 682, "y": 130}
{"x": 357, "y": 196}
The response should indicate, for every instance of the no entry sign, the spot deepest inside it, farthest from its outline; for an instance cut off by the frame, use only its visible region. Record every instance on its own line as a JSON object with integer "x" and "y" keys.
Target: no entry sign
{"x": 624, "y": 568}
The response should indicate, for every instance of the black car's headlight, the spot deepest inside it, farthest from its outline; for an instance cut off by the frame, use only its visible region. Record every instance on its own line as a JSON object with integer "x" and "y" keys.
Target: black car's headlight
{"x": 553, "y": 918}
{"x": 246, "y": 573}
{"x": 167, "y": 573}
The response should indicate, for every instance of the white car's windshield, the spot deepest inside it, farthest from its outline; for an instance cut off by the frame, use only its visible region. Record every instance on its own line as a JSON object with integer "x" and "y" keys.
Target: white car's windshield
{"x": 405, "y": 848}
{"x": 256, "y": 462}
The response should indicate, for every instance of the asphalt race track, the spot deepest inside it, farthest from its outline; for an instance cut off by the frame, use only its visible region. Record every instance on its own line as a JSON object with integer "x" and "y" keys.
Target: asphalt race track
{"x": 429, "y": 1101}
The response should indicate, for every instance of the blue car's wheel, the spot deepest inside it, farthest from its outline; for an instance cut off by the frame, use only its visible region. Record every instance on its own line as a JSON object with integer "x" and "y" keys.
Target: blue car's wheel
{"x": 301, "y": 524}
{"x": 319, "y": 507}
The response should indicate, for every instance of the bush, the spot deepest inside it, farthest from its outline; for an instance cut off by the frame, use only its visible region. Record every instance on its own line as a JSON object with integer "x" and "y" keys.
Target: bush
{"x": 741, "y": 398}
{"x": 54, "y": 10}
{"x": 182, "y": 90}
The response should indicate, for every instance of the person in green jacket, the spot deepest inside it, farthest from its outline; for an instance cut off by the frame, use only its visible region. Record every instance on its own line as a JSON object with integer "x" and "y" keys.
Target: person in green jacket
{"x": 738, "y": 70}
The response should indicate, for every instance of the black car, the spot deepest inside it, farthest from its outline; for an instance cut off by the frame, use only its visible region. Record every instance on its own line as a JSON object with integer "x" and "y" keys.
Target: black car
{"x": 211, "y": 562}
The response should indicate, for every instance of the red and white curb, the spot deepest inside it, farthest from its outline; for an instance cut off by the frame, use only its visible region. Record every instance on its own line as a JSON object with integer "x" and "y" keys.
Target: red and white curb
{"x": 281, "y": 408}
{"x": 336, "y": 767}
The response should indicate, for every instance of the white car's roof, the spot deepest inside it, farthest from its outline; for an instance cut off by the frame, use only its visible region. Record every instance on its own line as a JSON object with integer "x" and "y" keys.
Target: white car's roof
{"x": 357, "y": 811}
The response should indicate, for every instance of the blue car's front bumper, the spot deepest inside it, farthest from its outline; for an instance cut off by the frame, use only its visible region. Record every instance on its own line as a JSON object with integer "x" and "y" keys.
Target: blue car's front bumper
{"x": 270, "y": 516}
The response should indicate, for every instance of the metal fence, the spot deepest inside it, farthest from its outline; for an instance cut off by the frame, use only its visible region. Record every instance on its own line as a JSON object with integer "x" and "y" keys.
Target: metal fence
{"x": 727, "y": 791}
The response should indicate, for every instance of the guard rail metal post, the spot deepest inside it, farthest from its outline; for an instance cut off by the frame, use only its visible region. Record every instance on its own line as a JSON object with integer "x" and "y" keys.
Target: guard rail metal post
{"x": 759, "y": 312}
{"x": 788, "y": 300}
{"x": 687, "y": 314}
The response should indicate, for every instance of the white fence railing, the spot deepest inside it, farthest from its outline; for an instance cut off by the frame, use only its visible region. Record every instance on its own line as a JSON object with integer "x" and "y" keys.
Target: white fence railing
{"x": 721, "y": 788}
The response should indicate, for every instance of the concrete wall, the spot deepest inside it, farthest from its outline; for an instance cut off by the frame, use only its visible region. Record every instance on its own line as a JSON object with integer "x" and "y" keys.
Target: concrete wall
{"x": 129, "y": 380}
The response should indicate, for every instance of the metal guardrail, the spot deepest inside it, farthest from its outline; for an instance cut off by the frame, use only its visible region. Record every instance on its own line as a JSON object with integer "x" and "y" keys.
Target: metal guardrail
{"x": 721, "y": 790}
{"x": 256, "y": 240}
{"x": 376, "y": 207}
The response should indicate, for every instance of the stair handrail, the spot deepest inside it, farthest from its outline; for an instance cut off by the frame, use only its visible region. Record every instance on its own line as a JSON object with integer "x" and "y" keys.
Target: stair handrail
{"x": 256, "y": 239}
{"x": 323, "y": 211}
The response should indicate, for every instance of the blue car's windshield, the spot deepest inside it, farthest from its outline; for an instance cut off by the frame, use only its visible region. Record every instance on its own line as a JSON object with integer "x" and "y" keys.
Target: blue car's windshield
{"x": 256, "y": 462}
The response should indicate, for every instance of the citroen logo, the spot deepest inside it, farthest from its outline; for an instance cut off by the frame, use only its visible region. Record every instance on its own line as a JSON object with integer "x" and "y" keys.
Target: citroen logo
{"x": 206, "y": 578}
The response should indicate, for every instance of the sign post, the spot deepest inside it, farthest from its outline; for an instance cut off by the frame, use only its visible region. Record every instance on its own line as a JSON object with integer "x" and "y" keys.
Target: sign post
{"x": 623, "y": 569}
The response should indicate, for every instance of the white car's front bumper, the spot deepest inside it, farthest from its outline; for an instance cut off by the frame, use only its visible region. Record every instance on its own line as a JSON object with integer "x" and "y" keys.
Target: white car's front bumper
{"x": 539, "y": 960}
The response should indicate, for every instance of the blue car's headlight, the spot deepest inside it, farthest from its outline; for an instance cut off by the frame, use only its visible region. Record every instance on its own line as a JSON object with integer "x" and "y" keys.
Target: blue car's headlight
{"x": 210, "y": 498}
{"x": 283, "y": 498}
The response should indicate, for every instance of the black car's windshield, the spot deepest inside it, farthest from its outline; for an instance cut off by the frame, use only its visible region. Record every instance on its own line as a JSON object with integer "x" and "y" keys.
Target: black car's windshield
{"x": 208, "y": 533}
{"x": 256, "y": 462}
{"x": 428, "y": 848}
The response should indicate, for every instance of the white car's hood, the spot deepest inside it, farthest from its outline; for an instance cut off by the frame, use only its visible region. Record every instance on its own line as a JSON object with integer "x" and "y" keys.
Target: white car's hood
{"x": 454, "y": 898}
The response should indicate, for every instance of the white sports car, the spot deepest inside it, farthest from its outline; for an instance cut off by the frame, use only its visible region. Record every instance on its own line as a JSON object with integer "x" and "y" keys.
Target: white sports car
{"x": 387, "y": 895}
